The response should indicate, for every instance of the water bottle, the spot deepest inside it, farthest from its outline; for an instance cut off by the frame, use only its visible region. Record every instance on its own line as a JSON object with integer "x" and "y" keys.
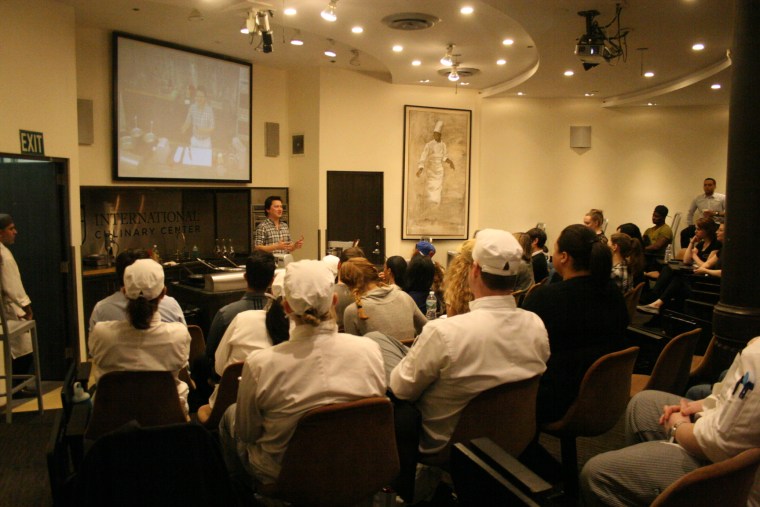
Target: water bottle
{"x": 156, "y": 255}
{"x": 232, "y": 249}
{"x": 430, "y": 306}
{"x": 196, "y": 252}
{"x": 668, "y": 253}
{"x": 217, "y": 249}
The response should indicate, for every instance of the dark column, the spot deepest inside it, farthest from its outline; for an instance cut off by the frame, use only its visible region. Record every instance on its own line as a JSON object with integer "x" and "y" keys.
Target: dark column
{"x": 737, "y": 317}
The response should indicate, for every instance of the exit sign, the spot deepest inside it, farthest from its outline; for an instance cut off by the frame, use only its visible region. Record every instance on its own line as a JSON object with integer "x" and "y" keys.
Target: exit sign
{"x": 31, "y": 142}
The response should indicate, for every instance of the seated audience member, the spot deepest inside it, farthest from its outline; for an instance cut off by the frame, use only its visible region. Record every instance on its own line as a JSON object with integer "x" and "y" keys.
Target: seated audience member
{"x": 704, "y": 242}
{"x": 250, "y": 330}
{"x": 525, "y": 277}
{"x": 378, "y": 306}
{"x": 427, "y": 249}
{"x": 635, "y": 233}
{"x": 657, "y": 238}
{"x": 594, "y": 220}
{"x": 455, "y": 359}
{"x": 142, "y": 342}
{"x": 114, "y": 307}
{"x": 627, "y": 261}
{"x": 584, "y": 314}
{"x": 706, "y": 431}
{"x": 458, "y": 294}
{"x": 538, "y": 258}
{"x": 671, "y": 289}
{"x": 419, "y": 280}
{"x": 259, "y": 273}
{"x": 333, "y": 263}
{"x": 394, "y": 271}
{"x": 344, "y": 293}
{"x": 317, "y": 366}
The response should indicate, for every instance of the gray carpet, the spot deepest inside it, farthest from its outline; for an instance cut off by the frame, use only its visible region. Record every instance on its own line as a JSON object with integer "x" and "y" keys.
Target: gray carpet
{"x": 23, "y": 466}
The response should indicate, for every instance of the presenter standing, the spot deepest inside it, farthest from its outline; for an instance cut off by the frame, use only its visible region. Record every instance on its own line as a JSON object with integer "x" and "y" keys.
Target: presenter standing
{"x": 17, "y": 305}
{"x": 272, "y": 235}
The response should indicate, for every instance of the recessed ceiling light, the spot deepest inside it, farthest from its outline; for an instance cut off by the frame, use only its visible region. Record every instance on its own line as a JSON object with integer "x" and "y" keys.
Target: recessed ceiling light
{"x": 569, "y": 73}
{"x": 715, "y": 86}
{"x": 698, "y": 46}
{"x": 466, "y": 10}
{"x": 501, "y": 61}
{"x": 290, "y": 11}
{"x": 463, "y": 84}
{"x": 357, "y": 29}
{"x": 520, "y": 94}
{"x": 424, "y": 81}
{"x": 508, "y": 42}
{"x": 649, "y": 74}
{"x": 416, "y": 63}
{"x": 331, "y": 53}
{"x": 651, "y": 103}
{"x": 589, "y": 94}
{"x": 296, "y": 42}
{"x": 398, "y": 48}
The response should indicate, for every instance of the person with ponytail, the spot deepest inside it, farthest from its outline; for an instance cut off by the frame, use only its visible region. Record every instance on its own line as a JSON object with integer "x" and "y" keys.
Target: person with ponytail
{"x": 627, "y": 261}
{"x": 143, "y": 342}
{"x": 317, "y": 366}
{"x": 378, "y": 306}
{"x": 584, "y": 314}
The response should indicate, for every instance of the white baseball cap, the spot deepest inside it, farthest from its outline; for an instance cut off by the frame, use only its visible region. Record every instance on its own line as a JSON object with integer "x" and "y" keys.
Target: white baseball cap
{"x": 144, "y": 277}
{"x": 497, "y": 252}
{"x": 308, "y": 285}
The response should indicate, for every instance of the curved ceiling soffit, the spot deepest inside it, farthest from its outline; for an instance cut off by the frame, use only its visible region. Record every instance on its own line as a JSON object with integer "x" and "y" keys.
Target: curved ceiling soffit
{"x": 670, "y": 86}
{"x": 508, "y": 85}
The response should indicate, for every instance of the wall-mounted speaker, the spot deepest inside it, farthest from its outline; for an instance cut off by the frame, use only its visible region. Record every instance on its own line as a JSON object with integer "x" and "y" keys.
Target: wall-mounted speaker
{"x": 272, "y": 139}
{"x": 580, "y": 137}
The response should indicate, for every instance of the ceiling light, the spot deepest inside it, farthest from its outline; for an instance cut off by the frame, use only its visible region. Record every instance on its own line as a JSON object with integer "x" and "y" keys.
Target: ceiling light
{"x": 507, "y": 42}
{"x": 651, "y": 103}
{"x": 588, "y": 94}
{"x": 466, "y": 10}
{"x": 290, "y": 11}
{"x": 296, "y": 39}
{"x": 464, "y": 84}
{"x": 715, "y": 86}
{"x": 416, "y": 63}
{"x": 501, "y": 61}
{"x": 698, "y": 46}
{"x": 448, "y": 58}
{"x": 454, "y": 75}
{"x": 329, "y": 13}
{"x": 649, "y": 73}
{"x": 195, "y": 15}
{"x": 569, "y": 73}
{"x": 331, "y": 53}
{"x": 424, "y": 81}
{"x": 244, "y": 28}
{"x": 520, "y": 94}
{"x": 357, "y": 29}
{"x": 249, "y": 26}
{"x": 398, "y": 48}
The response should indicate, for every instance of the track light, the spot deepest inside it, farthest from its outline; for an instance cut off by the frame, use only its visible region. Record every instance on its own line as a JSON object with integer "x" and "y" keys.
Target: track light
{"x": 296, "y": 40}
{"x": 448, "y": 58}
{"x": 329, "y": 13}
{"x": 249, "y": 25}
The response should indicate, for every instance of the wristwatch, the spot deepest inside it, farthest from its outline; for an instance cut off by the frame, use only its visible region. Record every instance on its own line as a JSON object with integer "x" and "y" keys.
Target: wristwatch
{"x": 673, "y": 429}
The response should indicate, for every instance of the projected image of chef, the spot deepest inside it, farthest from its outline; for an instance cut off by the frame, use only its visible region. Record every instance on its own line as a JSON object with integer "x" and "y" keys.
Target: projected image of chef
{"x": 200, "y": 117}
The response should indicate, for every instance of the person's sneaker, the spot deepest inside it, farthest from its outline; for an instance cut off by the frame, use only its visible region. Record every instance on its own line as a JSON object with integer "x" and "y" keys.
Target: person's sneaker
{"x": 650, "y": 308}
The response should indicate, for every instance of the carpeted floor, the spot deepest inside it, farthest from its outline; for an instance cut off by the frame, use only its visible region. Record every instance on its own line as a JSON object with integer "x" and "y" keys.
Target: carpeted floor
{"x": 23, "y": 466}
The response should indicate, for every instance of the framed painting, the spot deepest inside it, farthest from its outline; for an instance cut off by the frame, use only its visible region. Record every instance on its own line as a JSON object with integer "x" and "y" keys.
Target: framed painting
{"x": 436, "y": 181}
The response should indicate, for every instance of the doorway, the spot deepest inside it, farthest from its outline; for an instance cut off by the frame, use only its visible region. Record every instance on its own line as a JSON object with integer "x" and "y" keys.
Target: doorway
{"x": 355, "y": 211}
{"x": 35, "y": 193}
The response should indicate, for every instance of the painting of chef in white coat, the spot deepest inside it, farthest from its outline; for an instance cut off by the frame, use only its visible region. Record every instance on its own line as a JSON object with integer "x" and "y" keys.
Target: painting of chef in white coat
{"x": 436, "y": 172}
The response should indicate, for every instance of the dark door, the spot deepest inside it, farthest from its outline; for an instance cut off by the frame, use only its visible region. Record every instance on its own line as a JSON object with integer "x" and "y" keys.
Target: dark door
{"x": 355, "y": 211}
{"x": 31, "y": 193}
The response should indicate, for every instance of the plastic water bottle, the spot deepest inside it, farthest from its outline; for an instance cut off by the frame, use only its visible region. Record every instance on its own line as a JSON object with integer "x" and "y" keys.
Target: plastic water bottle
{"x": 431, "y": 302}
{"x": 196, "y": 252}
{"x": 668, "y": 253}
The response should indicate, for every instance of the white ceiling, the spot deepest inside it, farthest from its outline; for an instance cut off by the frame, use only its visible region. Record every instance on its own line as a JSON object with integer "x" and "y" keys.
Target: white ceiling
{"x": 544, "y": 34}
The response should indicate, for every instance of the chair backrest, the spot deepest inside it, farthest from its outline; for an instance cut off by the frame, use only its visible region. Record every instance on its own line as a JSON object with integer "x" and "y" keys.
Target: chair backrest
{"x": 602, "y": 397}
{"x": 226, "y": 395}
{"x": 197, "y": 342}
{"x": 671, "y": 371}
{"x": 339, "y": 455}
{"x": 519, "y": 296}
{"x": 506, "y": 414}
{"x": 726, "y": 483}
{"x": 632, "y": 299}
{"x": 149, "y": 397}
{"x": 176, "y": 464}
{"x": 675, "y": 224}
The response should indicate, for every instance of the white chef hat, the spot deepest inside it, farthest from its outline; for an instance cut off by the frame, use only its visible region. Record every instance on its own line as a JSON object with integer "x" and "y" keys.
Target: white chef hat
{"x": 332, "y": 263}
{"x": 308, "y": 285}
{"x": 438, "y": 126}
{"x": 144, "y": 277}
